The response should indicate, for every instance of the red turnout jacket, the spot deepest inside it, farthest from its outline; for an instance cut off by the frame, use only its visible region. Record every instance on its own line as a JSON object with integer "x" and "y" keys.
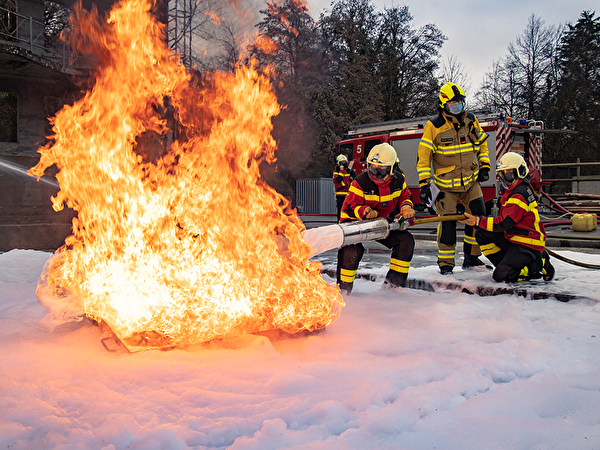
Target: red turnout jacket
{"x": 518, "y": 218}
{"x": 342, "y": 180}
{"x": 387, "y": 199}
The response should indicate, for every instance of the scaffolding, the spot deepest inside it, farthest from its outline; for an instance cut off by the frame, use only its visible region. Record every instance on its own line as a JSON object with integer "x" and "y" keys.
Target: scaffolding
{"x": 179, "y": 28}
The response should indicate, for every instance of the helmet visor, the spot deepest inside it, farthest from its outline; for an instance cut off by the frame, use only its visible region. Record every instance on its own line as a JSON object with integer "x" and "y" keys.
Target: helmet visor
{"x": 455, "y": 107}
{"x": 507, "y": 176}
{"x": 379, "y": 172}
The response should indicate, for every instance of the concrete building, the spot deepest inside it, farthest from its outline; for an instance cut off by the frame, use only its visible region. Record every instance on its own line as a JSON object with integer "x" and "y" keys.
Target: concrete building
{"x": 36, "y": 79}
{"x": 38, "y": 76}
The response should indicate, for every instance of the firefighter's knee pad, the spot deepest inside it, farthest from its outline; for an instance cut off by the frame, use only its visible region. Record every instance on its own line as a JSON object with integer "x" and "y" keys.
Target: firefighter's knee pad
{"x": 448, "y": 232}
{"x": 404, "y": 248}
{"x": 477, "y": 207}
{"x": 349, "y": 256}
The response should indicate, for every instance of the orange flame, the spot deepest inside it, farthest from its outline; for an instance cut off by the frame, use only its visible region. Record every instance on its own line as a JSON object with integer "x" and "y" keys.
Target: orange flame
{"x": 184, "y": 248}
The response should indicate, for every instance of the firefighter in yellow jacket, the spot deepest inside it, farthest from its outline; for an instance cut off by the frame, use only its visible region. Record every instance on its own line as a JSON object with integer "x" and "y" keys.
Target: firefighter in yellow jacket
{"x": 455, "y": 145}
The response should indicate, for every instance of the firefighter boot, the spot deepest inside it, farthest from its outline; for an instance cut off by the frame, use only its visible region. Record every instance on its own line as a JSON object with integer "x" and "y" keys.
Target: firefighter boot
{"x": 530, "y": 272}
{"x": 547, "y": 268}
{"x": 524, "y": 275}
{"x": 472, "y": 261}
{"x": 446, "y": 269}
{"x": 535, "y": 269}
{"x": 345, "y": 287}
{"x": 395, "y": 279}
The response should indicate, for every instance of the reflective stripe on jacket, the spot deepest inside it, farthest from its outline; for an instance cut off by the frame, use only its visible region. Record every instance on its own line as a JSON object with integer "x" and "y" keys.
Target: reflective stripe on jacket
{"x": 518, "y": 218}
{"x": 457, "y": 152}
{"x": 387, "y": 199}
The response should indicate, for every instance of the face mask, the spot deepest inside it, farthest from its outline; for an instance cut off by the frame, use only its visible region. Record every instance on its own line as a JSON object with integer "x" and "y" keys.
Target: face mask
{"x": 379, "y": 172}
{"x": 506, "y": 178}
{"x": 455, "y": 108}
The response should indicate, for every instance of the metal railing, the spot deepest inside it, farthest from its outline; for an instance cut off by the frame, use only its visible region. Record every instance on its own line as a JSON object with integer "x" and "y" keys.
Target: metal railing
{"x": 18, "y": 28}
{"x": 578, "y": 177}
{"x": 27, "y": 33}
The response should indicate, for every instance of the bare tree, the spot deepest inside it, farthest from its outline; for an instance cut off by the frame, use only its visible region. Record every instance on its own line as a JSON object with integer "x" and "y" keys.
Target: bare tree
{"x": 453, "y": 71}
{"x": 519, "y": 83}
{"x": 211, "y": 34}
{"x": 530, "y": 61}
{"x": 497, "y": 91}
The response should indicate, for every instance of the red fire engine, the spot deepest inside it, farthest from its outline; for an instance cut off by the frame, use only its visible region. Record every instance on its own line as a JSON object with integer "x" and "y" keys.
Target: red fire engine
{"x": 522, "y": 136}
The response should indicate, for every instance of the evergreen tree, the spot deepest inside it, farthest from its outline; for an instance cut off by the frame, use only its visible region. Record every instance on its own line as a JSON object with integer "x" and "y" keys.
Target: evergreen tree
{"x": 576, "y": 105}
{"x": 351, "y": 92}
{"x": 288, "y": 51}
{"x": 407, "y": 61}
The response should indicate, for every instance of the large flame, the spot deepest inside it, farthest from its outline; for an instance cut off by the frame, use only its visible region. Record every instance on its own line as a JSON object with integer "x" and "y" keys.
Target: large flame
{"x": 184, "y": 247}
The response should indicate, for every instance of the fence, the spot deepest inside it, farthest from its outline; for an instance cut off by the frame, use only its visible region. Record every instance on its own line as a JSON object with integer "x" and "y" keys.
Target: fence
{"x": 577, "y": 180}
{"x": 315, "y": 196}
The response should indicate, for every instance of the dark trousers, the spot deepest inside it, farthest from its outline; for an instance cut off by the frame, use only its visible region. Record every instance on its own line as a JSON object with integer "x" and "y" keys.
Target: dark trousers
{"x": 508, "y": 258}
{"x": 446, "y": 204}
{"x": 339, "y": 201}
{"x": 402, "y": 244}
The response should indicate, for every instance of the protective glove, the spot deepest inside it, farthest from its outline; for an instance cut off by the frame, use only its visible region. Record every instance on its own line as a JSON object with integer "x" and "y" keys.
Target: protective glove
{"x": 484, "y": 175}
{"x": 425, "y": 194}
{"x": 407, "y": 212}
{"x": 370, "y": 213}
{"x": 471, "y": 220}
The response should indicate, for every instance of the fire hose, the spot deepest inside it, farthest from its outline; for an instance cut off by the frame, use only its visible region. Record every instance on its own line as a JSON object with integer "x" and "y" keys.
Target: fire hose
{"x": 329, "y": 237}
{"x": 573, "y": 262}
{"x": 557, "y": 207}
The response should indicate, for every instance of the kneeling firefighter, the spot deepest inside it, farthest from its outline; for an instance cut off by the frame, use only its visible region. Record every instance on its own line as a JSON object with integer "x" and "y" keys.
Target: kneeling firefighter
{"x": 514, "y": 241}
{"x": 381, "y": 191}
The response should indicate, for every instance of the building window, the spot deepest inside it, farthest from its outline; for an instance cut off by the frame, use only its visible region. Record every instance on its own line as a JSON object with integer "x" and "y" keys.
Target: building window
{"x": 8, "y": 117}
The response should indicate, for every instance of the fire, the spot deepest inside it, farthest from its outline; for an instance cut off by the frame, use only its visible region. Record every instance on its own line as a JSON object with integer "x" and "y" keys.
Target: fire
{"x": 186, "y": 246}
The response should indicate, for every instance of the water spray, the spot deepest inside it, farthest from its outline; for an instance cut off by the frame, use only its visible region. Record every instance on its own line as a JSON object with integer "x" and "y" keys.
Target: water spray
{"x": 23, "y": 171}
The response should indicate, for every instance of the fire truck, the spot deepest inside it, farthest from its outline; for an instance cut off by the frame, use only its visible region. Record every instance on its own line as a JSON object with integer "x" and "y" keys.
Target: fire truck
{"x": 521, "y": 136}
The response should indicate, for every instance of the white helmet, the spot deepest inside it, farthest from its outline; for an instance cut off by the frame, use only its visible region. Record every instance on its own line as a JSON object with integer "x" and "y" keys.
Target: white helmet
{"x": 341, "y": 159}
{"x": 380, "y": 162}
{"x": 510, "y": 167}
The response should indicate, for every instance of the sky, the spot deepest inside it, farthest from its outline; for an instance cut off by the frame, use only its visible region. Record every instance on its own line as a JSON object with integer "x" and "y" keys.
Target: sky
{"x": 400, "y": 369}
{"x": 479, "y": 32}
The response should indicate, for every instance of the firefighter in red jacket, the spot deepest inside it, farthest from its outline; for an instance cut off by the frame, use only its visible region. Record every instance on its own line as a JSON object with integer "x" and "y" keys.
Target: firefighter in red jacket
{"x": 455, "y": 145}
{"x": 342, "y": 177}
{"x": 381, "y": 191}
{"x": 515, "y": 240}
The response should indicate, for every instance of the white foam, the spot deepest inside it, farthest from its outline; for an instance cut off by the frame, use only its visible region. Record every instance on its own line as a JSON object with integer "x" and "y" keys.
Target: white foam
{"x": 322, "y": 239}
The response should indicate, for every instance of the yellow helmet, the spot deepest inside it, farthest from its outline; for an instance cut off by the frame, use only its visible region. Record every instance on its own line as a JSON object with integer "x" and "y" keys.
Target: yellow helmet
{"x": 510, "y": 167}
{"x": 380, "y": 162}
{"x": 341, "y": 158}
{"x": 452, "y": 99}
